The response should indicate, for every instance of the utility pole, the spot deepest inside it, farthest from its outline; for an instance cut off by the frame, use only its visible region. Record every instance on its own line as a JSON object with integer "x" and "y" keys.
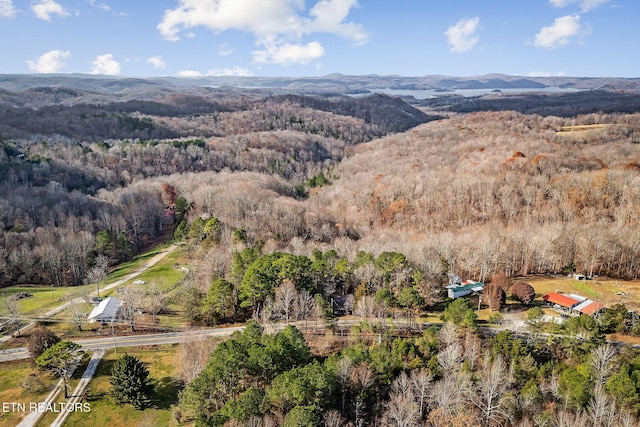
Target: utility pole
{"x": 113, "y": 331}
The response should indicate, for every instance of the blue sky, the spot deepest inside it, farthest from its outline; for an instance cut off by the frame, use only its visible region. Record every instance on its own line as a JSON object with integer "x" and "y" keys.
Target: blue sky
{"x": 317, "y": 37}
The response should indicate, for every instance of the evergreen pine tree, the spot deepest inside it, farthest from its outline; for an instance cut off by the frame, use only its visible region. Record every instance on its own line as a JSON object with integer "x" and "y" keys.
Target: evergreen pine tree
{"x": 130, "y": 382}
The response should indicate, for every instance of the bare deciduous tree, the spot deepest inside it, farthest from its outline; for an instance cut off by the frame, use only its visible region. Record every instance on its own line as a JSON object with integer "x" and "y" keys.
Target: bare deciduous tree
{"x": 305, "y": 305}
{"x": 450, "y": 356}
{"x": 489, "y": 394}
{"x": 98, "y": 272}
{"x": 193, "y": 356}
{"x": 333, "y": 418}
{"x": 421, "y": 380}
{"x": 472, "y": 347}
{"x": 401, "y": 384}
{"x": 285, "y": 300}
{"x": 11, "y": 305}
{"x": 131, "y": 303}
{"x": 154, "y": 300}
{"x": 601, "y": 407}
{"x": 344, "y": 374}
{"x": 448, "y": 394}
{"x": 602, "y": 363}
{"x": 401, "y": 411}
{"x": 361, "y": 380}
{"x": 78, "y": 316}
{"x": 365, "y": 307}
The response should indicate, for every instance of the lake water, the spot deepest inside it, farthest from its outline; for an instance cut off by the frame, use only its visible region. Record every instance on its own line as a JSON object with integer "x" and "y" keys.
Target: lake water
{"x": 424, "y": 94}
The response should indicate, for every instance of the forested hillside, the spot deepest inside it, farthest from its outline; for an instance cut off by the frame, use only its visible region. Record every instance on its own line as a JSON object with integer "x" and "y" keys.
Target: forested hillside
{"x": 491, "y": 192}
{"x": 71, "y": 172}
{"x": 291, "y": 207}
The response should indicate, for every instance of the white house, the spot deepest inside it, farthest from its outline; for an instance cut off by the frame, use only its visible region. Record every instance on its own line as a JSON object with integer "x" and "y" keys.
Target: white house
{"x": 464, "y": 288}
{"x": 106, "y": 311}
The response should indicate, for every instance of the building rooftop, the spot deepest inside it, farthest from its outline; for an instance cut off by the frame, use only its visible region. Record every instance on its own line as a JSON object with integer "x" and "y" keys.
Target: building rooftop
{"x": 108, "y": 308}
{"x": 561, "y": 300}
{"x": 592, "y": 308}
{"x": 475, "y": 286}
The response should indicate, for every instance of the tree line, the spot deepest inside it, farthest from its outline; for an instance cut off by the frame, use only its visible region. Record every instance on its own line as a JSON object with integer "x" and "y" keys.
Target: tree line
{"x": 447, "y": 376}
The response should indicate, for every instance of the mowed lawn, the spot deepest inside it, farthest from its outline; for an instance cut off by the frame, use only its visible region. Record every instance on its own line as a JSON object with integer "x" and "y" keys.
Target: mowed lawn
{"x": 43, "y": 297}
{"x": 165, "y": 276}
{"x": 162, "y": 363}
{"x": 604, "y": 290}
{"x": 46, "y": 297}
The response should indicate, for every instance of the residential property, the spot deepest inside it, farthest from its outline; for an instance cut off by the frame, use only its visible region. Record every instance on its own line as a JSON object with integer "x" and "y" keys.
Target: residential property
{"x": 343, "y": 304}
{"x": 461, "y": 289}
{"x": 106, "y": 311}
{"x": 573, "y": 304}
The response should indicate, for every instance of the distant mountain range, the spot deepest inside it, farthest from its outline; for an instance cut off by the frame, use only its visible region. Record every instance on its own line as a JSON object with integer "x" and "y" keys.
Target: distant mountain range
{"x": 332, "y": 83}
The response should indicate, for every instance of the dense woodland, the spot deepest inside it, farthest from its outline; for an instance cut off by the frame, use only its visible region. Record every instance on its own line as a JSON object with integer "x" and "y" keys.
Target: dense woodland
{"x": 446, "y": 377}
{"x": 285, "y": 203}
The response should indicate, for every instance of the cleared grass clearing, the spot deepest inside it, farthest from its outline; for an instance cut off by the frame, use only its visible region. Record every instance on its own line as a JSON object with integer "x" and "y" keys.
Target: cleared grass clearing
{"x": 162, "y": 364}
{"x": 128, "y": 267}
{"x": 583, "y": 128}
{"x": 166, "y": 275}
{"x": 14, "y": 374}
{"x": 604, "y": 290}
{"x": 43, "y": 297}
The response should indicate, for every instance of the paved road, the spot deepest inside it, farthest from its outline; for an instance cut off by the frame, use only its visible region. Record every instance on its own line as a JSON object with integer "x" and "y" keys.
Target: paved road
{"x": 131, "y": 341}
{"x": 153, "y": 261}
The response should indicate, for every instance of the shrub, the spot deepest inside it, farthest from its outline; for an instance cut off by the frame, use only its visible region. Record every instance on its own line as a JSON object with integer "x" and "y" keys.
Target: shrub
{"x": 523, "y": 292}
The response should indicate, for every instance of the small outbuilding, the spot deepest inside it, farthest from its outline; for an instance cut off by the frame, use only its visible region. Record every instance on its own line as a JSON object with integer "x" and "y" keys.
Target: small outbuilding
{"x": 343, "y": 304}
{"x": 590, "y": 308}
{"x": 106, "y": 311}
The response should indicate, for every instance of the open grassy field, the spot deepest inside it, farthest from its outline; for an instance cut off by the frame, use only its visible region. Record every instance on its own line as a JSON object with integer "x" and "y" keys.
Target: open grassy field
{"x": 125, "y": 268}
{"x": 604, "y": 290}
{"x": 162, "y": 364}
{"x": 46, "y": 297}
{"x": 15, "y": 378}
{"x": 43, "y": 297}
{"x": 582, "y": 128}
{"x": 12, "y": 388}
{"x": 165, "y": 276}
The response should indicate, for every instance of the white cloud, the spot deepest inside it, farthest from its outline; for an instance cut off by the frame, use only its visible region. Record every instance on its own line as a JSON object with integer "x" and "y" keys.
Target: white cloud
{"x": 44, "y": 9}
{"x": 105, "y": 64}
{"x": 559, "y": 33}
{"x": 157, "y": 62}
{"x": 329, "y": 15}
{"x": 277, "y": 25}
{"x": 546, "y": 74}
{"x": 585, "y": 5}
{"x": 6, "y": 9}
{"x": 102, "y": 6}
{"x": 224, "y": 50}
{"x": 235, "y": 71}
{"x": 286, "y": 54}
{"x": 462, "y": 36}
{"x": 189, "y": 73}
{"x": 50, "y": 62}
